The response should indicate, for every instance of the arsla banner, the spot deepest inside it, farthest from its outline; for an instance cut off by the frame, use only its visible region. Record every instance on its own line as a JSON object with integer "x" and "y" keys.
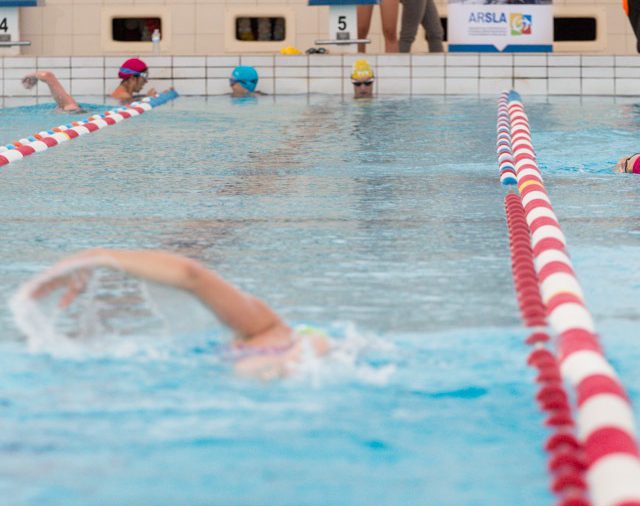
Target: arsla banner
{"x": 500, "y": 26}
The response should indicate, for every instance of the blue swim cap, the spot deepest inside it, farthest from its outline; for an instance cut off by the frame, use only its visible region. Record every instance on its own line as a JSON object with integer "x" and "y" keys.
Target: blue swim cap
{"x": 247, "y": 77}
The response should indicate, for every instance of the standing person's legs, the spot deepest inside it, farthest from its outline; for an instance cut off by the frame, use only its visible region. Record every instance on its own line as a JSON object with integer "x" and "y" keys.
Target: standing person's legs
{"x": 634, "y": 19}
{"x": 364, "y": 23}
{"x": 389, "y": 13}
{"x": 433, "y": 27}
{"x": 412, "y": 13}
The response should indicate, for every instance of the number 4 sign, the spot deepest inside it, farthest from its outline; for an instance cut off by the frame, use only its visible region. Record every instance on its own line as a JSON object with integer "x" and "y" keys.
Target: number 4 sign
{"x": 9, "y": 30}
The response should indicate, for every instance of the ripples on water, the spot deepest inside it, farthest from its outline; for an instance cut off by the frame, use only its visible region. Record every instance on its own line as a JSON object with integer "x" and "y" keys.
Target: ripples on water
{"x": 381, "y": 222}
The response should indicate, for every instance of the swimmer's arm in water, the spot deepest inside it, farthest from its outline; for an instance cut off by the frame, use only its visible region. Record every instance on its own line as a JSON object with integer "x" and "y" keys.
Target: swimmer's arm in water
{"x": 247, "y": 315}
{"x": 59, "y": 94}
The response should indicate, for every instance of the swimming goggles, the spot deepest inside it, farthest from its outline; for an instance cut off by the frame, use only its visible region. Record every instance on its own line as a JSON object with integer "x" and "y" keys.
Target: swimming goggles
{"x": 233, "y": 81}
{"x": 144, "y": 75}
{"x": 316, "y": 50}
{"x": 357, "y": 84}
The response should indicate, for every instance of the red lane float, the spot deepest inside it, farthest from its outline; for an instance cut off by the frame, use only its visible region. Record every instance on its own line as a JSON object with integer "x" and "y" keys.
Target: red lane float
{"x": 605, "y": 423}
{"x": 566, "y": 457}
{"x": 63, "y": 133}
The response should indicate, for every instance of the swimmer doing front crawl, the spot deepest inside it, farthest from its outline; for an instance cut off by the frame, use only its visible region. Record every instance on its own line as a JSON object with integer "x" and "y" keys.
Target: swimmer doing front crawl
{"x": 264, "y": 346}
{"x": 134, "y": 74}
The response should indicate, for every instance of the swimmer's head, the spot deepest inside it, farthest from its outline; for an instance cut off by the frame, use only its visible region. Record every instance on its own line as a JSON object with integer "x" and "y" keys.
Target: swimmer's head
{"x": 135, "y": 72}
{"x": 629, "y": 164}
{"x": 362, "y": 79}
{"x": 245, "y": 77}
{"x": 133, "y": 67}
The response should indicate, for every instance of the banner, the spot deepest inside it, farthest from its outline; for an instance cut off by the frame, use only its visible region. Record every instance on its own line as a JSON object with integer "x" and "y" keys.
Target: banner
{"x": 500, "y": 26}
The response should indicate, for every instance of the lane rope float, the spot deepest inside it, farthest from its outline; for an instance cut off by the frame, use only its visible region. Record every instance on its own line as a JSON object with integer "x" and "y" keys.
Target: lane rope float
{"x": 44, "y": 140}
{"x": 566, "y": 463}
{"x": 604, "y": 418}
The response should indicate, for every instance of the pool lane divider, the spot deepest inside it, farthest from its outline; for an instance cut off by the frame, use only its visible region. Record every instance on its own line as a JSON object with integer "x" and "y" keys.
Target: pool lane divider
{"x": 604, "y": 417}
{"x": 566, "y": 463}
{"x": 47, "y": 139}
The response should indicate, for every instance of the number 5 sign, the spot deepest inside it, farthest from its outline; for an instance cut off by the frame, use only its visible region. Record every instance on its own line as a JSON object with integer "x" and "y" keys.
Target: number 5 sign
{"x": 343, "y": 22}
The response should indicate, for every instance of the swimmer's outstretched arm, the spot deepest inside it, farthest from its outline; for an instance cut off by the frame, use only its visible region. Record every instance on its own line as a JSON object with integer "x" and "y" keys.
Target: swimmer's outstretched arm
{"x": 247, "y": 315}
{"x": 59, "y": 94}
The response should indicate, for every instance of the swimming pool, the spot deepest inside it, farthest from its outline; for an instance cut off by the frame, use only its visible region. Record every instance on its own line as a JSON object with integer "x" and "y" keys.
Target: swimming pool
{"x": 379, "y": 221}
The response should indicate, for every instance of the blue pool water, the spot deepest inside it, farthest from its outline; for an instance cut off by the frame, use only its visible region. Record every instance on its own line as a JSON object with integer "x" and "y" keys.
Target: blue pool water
{"x": 381, "y": 222}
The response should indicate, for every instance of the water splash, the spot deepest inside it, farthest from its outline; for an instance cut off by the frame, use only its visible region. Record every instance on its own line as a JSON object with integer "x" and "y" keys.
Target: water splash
{"x": 89, "y": 307}
{"x": 355, "y": 355}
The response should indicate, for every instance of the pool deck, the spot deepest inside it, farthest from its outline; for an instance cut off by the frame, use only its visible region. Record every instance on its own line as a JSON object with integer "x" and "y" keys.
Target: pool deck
{"x": 428, "y": 74}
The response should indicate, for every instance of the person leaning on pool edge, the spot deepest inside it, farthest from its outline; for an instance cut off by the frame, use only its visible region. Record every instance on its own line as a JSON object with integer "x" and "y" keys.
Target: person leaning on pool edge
{"x": 243, "y": 82}
{"x": 629, "y": 164}
{"x": 133, "y": 72}
{"x": 362, "y": 79}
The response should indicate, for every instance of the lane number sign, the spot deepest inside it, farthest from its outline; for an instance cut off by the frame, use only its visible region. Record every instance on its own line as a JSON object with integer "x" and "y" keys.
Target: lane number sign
{"x": 343, "y": 24}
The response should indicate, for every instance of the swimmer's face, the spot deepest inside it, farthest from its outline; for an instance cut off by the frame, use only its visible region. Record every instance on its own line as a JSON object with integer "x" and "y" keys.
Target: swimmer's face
{"x": 626, "y": 164}
{"x": 237, "y": 90}
{"x": 362, "y": 88}
{"x": 139, "y": 82}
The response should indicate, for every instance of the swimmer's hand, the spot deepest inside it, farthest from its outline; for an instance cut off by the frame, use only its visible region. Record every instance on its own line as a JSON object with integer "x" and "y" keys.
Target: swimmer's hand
{"x": 29, "y": 81}
{"x": 74, "y": 284}
{"x": 152, "y": 92}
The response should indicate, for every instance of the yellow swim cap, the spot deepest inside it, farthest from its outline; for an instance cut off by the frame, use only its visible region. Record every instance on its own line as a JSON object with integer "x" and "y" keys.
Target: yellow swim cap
{"x": 362, "y": 70}
{"x": 290, "y": 50}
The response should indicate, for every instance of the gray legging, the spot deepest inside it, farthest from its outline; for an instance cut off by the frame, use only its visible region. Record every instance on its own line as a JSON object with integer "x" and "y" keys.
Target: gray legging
{"x": 425, "y": 13}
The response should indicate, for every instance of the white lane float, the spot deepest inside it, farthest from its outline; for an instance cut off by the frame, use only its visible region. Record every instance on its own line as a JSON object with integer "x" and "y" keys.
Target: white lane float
{"x": 44, "y": 140}
{"x": 605, "y": 422}
{"x": 566, "y": 460}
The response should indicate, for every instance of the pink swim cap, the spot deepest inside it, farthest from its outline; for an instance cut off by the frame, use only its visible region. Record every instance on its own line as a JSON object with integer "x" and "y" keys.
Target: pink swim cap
{"x": 636, "y": 166}
{"x": 132, "y": 67}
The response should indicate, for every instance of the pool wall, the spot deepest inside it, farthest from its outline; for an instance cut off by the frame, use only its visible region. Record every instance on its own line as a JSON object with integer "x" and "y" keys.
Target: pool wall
{"x": 448, "y": 74}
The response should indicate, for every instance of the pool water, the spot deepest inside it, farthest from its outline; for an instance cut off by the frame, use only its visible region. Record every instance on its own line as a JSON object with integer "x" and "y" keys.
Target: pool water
{"x": 380, "y": 222}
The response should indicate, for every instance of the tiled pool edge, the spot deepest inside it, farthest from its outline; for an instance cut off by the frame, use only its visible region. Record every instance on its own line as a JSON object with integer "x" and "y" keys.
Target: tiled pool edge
{"x": 401, "y": 74}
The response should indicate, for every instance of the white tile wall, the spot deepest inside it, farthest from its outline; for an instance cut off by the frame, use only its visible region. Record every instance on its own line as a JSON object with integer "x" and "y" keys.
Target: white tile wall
{"x": 461, "y": 86}
{"x": 394, "y": 86}
{"x": 536, "y": 74}
{"x": 328, "y": 86}
{"x": 427, "y": 86}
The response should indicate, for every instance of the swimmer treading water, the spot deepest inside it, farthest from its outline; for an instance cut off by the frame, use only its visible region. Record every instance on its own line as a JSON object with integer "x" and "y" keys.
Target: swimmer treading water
{"x": 264, "y": 346}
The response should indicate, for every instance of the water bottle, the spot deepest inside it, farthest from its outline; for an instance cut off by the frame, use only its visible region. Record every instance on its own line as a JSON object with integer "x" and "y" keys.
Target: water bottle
{"x": 155, "y": 40}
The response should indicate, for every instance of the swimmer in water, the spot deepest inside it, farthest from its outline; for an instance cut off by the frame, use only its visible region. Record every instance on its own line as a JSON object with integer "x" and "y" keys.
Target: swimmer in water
{"x": 630, "y": 164}
{"x": 243, "y": 82}
{"x": 362, "y": 79}
{"x": 65, "y": 102}
{"x": 133, "y": 72}
{"x": 264, "y": 346}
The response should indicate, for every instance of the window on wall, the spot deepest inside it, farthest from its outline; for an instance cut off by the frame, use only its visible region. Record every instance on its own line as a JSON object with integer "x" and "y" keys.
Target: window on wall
{"x": 574, "y": 29}
{"x": 260, "y": 29}
{"x": 134, "y": 29}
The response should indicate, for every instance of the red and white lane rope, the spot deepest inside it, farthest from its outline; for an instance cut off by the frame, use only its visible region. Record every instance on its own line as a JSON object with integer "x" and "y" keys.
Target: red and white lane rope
{"x": 63, "y": 133}
{"x": 566, "y": 459}
{"x": 605, "y": 422}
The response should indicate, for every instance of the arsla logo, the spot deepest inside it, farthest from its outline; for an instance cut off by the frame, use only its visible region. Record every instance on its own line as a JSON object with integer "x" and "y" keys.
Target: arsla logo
{"x": 520, "y": 23}
{"x": 487, "y": 17}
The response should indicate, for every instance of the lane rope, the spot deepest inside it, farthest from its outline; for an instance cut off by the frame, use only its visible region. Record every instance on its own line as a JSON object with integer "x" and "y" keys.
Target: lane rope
{"x": 605, "y": 445}
{"x": 565, "y": 463}
{"x": 44, "y": 140}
